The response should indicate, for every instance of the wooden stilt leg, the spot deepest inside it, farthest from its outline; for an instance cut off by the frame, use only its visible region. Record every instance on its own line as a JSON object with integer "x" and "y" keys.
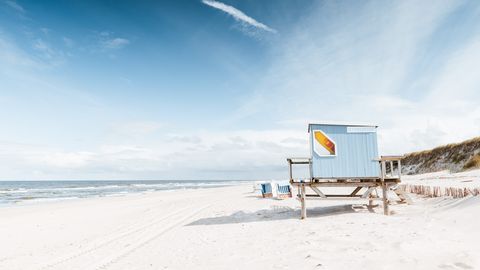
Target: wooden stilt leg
{"x": 385, "y": 199}
{"x": 384, "y": 188}
{"x": 302, "y": 201}
{"x": 370, "y": 205}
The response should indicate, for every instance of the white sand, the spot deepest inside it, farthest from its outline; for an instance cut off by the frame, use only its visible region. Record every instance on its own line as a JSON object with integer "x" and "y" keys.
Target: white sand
{"x": 230, "y": 228}
{"x": 468, "y": 179}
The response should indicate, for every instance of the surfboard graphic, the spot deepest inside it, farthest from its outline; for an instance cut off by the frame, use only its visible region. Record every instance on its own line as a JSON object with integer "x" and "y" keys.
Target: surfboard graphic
{"x": 324, "y": 146}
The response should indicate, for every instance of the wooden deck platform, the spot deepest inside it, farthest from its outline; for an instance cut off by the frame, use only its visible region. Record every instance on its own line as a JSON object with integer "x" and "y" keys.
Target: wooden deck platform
{"x": 363, "y": 188}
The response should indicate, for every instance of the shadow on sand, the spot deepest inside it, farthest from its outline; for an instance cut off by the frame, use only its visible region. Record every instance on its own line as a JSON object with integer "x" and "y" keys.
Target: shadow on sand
{"x": 277, "y": 213}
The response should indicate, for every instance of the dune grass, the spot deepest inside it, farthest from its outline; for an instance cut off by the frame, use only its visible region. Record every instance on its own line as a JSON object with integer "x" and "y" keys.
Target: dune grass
{"x": 472, "y": 163}
{"x": 457, "y": 156}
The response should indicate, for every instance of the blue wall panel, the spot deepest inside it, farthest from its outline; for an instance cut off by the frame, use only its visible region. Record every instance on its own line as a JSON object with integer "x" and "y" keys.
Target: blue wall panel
{"x": 355, "y": 153}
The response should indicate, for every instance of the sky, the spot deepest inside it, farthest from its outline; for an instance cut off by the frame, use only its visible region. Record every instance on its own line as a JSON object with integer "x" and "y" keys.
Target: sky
{"x": 194, "y": 89}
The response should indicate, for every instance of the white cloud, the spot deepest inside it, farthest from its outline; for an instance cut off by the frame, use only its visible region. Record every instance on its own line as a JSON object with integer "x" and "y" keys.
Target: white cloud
{"x": 458, "y": 82}
{"x": 44, "y": 48}
{"x": 15, "y": 6}
{"x": 108, "y": 42}
{"x": 114, "y": 43}
{"x": 102, "y": 42}
{"x": 70, "y": 160}
{"x": 356, "y": 67}
{"x": 50, "y": 56}
{"x": 364, "y": 64}
{"x": 45, "y": 30}
{"x": 242, "y": 154}
{"x": 134, "y": 129}
{"x": 238, "y": 15}
{"x": 12, "y": 57}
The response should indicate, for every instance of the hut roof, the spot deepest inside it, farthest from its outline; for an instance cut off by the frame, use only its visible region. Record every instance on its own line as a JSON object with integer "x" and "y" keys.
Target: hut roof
{"x": 341, "y": 124}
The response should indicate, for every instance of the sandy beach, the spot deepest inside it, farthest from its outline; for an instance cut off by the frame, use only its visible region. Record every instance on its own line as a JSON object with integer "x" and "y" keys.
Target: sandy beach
{"x": 232, "y": 228}
{"x": 140, "y": 135}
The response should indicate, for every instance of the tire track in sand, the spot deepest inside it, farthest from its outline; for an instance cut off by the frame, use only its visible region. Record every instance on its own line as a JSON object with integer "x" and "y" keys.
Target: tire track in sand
{"x": 105, "y": 264}
{"x": 114, "y": 241}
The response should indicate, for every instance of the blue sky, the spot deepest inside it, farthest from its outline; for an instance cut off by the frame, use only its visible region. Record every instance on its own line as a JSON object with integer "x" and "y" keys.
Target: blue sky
{"x": 197, "y": 89}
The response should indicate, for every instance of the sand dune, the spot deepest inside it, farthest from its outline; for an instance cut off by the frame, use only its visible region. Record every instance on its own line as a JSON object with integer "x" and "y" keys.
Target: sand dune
{"x": 231, "y": 228}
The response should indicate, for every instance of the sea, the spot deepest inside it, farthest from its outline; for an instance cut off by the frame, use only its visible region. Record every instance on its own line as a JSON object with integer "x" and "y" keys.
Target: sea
{"x": 24, "y": 192}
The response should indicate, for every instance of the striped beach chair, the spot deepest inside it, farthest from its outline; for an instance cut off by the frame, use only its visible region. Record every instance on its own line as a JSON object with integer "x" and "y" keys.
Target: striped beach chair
{"x": 284, "y": 191}
{"x": 267, "y": 190}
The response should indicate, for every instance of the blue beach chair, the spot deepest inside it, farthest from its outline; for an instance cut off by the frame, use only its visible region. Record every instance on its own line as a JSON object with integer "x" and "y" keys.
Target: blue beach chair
{"x": 267, "y": 190}
{"x": 284, "y": 191}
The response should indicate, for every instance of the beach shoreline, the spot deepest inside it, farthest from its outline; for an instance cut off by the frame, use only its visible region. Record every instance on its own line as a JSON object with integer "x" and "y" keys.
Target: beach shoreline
{"x": 233, "y": 228}
{"x": 31, "y": 192}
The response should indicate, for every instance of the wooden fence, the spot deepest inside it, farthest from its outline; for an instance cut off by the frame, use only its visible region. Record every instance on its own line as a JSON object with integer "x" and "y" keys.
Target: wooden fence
{"x": 436, "y": 191}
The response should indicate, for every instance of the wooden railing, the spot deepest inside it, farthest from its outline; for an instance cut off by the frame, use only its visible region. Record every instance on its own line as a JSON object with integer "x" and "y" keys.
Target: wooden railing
{"x": 390, "y": 167}
{"x": 298, "y": 161}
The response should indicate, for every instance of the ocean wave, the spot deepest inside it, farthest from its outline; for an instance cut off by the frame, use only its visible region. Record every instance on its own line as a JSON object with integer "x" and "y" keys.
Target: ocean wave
{"x": 37, "y": 191}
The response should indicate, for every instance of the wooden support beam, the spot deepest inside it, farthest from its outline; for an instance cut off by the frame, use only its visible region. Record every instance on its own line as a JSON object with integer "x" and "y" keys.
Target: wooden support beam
{"x": 320, "y": 193}
{"x": 368, "y": 192}
{"x": 385, "y": 200}
{"x": 384, "y": 189}
{"x": 346, "y": 196}
{"x": 355, "y": 191}
{"x": 391, "y": 168}
{"x": 370, "y": 202}
{"x": 338, "y": 184}
{"x": 290, "y": 170}
{"x": 302, "y": 202}
{"x": 403, "y": 195}
{"x": 399, "y": 169}
{"x": 315, "y": 197}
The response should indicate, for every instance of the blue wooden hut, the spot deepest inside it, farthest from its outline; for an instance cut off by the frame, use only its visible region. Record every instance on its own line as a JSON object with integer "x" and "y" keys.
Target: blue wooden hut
{"x": 344, "y": 150}
{"x": 346, "y": 155}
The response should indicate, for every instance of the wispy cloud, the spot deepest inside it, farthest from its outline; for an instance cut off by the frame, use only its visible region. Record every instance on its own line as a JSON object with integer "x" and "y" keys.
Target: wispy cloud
{"x": 115, "y": 43}
{"x": 15, "y": 6}
{"x": 45, "y": 30}
{"x": 108, "y": 41}
{"x": 11, "y": 57}
{"x": 43, "y": 48}
{"x": 50, "y": 55}
{"x": 374, "y": 63}
{"x": 238, "y": 15}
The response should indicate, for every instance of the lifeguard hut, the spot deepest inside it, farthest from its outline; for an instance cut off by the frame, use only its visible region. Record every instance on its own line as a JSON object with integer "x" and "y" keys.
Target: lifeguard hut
{"x": 346, "y": 155}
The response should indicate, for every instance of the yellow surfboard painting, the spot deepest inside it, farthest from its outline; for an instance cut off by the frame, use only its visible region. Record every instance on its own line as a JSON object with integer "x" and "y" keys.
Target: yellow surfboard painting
{"x": 323, "y": 144}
